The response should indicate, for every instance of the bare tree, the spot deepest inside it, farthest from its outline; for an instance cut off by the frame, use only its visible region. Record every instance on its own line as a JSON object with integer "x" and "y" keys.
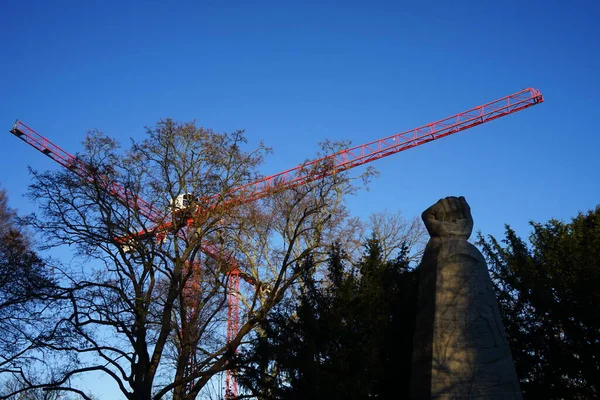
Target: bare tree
{"x": 393, "y": 232}
{"x": 146, "y": 306}
{"x": 14, "y": 385}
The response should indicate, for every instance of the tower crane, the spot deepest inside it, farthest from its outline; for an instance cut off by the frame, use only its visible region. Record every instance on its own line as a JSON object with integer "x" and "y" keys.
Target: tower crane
{"x": 310, "y": 171}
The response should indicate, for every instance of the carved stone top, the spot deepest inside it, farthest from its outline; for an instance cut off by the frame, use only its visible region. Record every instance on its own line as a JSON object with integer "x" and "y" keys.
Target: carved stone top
{"x": 450, "y": 217}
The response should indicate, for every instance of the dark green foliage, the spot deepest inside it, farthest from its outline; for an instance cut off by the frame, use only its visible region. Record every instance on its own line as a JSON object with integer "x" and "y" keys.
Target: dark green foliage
{"x": 24, "y": 283}
{"x": 349, "y": 337}
{"x": 549, "y": 294}
{"x": 23, "y": 275}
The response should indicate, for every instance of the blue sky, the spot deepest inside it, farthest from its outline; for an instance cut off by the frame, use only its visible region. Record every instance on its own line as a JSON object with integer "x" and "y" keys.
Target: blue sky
{"x": 295, "y": 73}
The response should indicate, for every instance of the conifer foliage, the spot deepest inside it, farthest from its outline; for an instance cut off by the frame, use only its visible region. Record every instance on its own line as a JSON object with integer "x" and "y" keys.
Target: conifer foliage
{"x": 350, "y": 335}
{"x": 549, "y": 295}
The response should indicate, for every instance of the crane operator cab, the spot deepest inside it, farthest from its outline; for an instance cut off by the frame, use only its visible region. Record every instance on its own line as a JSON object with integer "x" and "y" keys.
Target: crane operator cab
{"x": 184, "y": 202}
{"x": 183, "y": 207}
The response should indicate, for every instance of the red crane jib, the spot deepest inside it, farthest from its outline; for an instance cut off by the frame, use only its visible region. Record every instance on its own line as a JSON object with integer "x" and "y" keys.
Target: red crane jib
{"x": 365, "y": 153}
{"x": 307, "y": 172}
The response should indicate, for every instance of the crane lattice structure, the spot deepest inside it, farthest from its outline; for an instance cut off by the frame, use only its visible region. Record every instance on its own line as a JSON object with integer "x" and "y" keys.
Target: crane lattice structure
{"x": 308, "y": 172}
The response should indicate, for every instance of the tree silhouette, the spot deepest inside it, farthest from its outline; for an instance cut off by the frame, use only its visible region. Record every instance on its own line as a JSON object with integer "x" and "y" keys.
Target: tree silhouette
{"x": 549, "y": 298}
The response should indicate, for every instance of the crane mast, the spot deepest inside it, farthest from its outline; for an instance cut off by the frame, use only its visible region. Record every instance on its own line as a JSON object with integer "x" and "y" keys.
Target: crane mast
{"x": 308, "y": 172}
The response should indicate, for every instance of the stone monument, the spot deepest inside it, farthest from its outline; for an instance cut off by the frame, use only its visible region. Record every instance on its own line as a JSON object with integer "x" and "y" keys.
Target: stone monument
{"x": 460, "y": 347}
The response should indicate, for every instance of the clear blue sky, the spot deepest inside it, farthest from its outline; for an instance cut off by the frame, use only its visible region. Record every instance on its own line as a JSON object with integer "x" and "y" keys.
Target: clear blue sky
{"x": 295, "y": 73}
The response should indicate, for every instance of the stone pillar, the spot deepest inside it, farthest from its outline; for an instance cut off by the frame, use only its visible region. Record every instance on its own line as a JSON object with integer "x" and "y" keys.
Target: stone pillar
{"x": 460, "y": 347}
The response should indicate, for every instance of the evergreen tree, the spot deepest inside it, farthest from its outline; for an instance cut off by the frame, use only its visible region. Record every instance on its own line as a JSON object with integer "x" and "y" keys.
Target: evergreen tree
{"x": 23, "y": 274}
{"x": 549, "y": 295}
{"x": 349, "y": 337}
{"x": 25, "y": 280}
